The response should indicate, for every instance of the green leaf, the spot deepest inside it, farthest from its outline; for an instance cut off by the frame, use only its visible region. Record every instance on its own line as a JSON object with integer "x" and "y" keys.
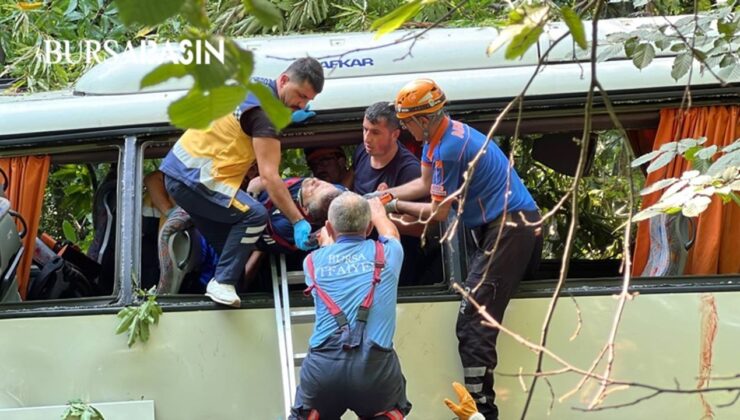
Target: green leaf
{"x": 240, "y": 62}
{"x": 732, "y": 146}
{"x": 727, "y": 60}
{"x": 663, "y": 43}
{"x": 630, "y": 45}
{"x": 198, "y": 109}
{"x": 678, "y": 47}
{"x": 162, "y": 73}
{"x": 727, "y": 28}
{"x": 69, "y": 231}
{"x": 661, "y": 161}
{"x": 645, "y": 158}
{"x": 575, "y": 24}
{"x": 147, "y": 12}
{"x": 643, "y": 56}
{"x": 658, "y": 185}
{"x": 681, "y": 65}
{"x": 267, "y": 13}
{"x": 194, "y": 12}
{"x": 278, "y": 113}
{"x": 610, "y": 51}
{"x": 396, "y": 18}
{"x": 724, "y": 162}
{"x": 730, "y": 73}
{"x": 522, "y": 41}
{"x": 706, "y": 153}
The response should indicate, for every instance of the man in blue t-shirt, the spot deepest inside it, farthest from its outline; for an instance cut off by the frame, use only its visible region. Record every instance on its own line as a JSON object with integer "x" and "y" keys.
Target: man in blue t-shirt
{"x": 381, "y": 162}
{"x": 495, "y": 196}
{"x": 351, "y": 364}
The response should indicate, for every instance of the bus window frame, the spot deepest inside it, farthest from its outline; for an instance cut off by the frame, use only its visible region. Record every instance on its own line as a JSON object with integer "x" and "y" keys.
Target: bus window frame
{"x": 73, "y": 306}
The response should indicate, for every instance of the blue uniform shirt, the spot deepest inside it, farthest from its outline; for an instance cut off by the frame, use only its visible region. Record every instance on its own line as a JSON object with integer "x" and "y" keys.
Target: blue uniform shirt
{"x": 449, "y": 153}
{"x": 344, "y": 271}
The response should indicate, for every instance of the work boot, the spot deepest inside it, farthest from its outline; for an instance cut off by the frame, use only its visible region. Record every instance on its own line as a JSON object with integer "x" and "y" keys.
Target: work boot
{"x": 224, "y": 294}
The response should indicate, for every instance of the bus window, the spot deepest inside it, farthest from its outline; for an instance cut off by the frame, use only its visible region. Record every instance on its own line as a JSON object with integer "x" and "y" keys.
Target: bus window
{"x": 546, "y": 163}
{"x": 74, "y": 242}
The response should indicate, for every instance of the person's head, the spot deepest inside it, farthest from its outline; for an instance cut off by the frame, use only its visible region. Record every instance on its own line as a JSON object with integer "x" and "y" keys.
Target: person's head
{"x": 300, "y": 82}
{"x": 316, "y": 195}
{"x": 349, "y": 214}
{"x": 327, "y": 163}
{"x": 420, "y": 107}
{"x": 380, "y": 130}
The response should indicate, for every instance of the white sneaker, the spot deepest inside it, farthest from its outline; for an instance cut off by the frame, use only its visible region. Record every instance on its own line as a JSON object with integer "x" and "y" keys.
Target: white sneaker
{"x": 224, "y": 294}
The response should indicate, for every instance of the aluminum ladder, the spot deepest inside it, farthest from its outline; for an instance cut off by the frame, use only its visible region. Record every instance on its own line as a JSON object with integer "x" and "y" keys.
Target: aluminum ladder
{"x": 285, "y": 317}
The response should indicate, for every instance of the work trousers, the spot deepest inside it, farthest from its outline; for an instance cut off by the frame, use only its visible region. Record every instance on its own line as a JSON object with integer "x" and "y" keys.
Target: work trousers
{"x": 230, "y": 231}
{"x": 492, "y": 280}
{"x": 366, "y": 379}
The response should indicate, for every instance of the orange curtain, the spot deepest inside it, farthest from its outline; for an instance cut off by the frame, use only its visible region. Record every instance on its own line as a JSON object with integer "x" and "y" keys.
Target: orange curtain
{"x": 716, "y": 249}
{"x": 28, "y": 176}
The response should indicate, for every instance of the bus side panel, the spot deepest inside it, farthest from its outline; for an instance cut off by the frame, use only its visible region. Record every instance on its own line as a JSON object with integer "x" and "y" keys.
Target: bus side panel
{"x": 659, "y": 340}
{"x": 196, "y": 365}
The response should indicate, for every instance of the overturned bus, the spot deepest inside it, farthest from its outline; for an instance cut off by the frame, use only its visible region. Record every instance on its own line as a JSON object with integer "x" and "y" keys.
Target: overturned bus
{"x": 204, "y": 361}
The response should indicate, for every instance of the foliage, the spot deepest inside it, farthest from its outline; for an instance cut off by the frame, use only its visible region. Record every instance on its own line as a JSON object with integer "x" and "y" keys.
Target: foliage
{"x": 68, "y": 202}
{"x": 24, "y": 29}
{"x": 602, "y": 198}
{"x": 710, "y": 38}
{"x": 78, "y": 410}
{"x": 138, "y": 319}
{"x": 692, "y": 193}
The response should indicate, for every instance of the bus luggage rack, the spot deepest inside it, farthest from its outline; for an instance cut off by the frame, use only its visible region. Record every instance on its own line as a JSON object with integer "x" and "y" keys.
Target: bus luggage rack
{"x": 285, "y": 318}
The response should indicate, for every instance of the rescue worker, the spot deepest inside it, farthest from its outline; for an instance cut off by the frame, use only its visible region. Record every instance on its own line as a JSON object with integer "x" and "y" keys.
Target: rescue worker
{"x": 351, "y": 364}
{"x": 466, "y": 409}
{"x": 204, "y": 171}
{"x": 496, "y": 196}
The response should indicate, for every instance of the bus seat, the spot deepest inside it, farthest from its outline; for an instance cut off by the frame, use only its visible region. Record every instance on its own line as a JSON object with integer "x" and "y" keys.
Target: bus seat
{"x": 11, "y": 251}
{"x": 671, "y": 237}
{"x": 57, "y": 276}
{"x": 102, "y": 248}
{"x": 179, "y": 251}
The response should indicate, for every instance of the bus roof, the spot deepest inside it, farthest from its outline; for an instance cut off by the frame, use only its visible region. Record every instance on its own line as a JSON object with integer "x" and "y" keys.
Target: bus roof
{"x": 358, "y": 71}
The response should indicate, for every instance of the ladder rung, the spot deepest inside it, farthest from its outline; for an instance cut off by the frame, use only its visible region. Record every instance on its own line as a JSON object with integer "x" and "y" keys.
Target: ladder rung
{"x": 302, "y": 316}
{"x": 295, "y": 277}
{"x": 298, "y": 359}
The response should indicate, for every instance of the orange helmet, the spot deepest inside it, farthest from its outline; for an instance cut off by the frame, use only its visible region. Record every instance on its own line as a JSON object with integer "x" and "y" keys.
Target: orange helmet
{"x": 421, "y": 96}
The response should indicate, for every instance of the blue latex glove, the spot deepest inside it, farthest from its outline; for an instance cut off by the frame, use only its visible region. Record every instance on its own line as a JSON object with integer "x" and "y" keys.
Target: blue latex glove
{"x": 301, "y": 235}
{"x": 373, "y": 194}
{"x": 302, "y": 115}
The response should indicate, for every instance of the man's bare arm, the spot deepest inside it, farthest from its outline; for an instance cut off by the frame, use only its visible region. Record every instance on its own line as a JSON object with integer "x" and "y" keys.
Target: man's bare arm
{"x": 382, "y": 224}
{"x": 267, "y": 151}
{"x": 424, "y": 210}
{"x": 416, "y": 189}
{"x": 154, "y": 183}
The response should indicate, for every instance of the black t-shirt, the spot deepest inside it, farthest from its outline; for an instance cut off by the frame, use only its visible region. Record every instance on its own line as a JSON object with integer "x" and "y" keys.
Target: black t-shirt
{"x": 404, "y": 167}
{"x": 255, "y": 123}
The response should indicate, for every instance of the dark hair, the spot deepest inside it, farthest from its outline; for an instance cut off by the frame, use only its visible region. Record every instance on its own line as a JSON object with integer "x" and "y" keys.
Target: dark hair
{"x": 319, "y": 212}
{"x": 315, "y": 152}
{"x": 383, "y": 111}
{"x": 307, "y": 68}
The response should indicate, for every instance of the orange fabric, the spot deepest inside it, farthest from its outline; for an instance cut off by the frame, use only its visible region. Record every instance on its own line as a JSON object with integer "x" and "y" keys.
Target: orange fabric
{"x": 715, "y": 250}
{"x": 28, "y": 176}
